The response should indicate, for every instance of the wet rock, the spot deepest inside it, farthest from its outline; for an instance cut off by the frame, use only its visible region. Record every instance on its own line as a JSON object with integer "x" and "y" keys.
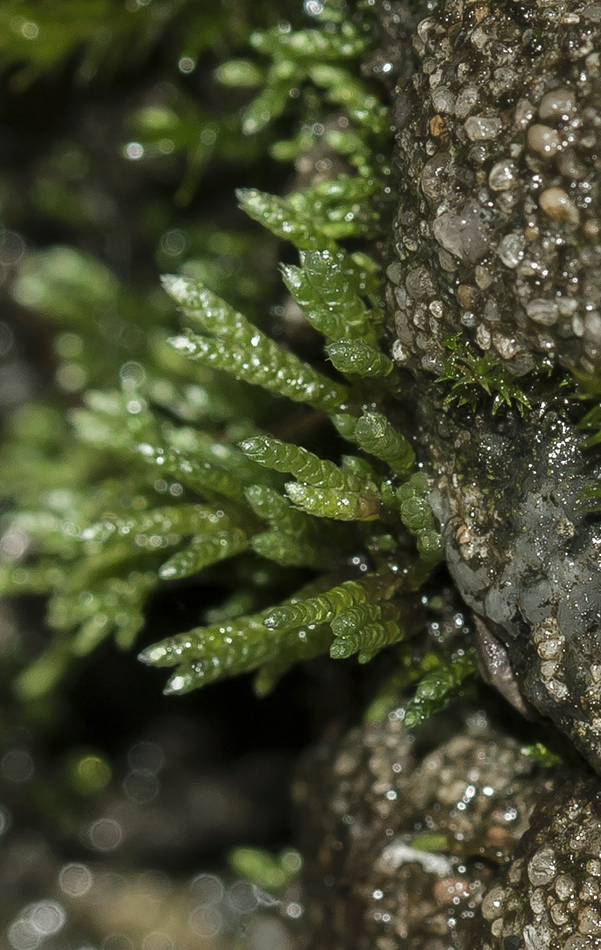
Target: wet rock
{"x": 498, "y": 168}
{"x": 531, "y": 568}
{"x": 550, "y": 895}
{"x": 503, "y": 196}
{"x": 407, "y": 833}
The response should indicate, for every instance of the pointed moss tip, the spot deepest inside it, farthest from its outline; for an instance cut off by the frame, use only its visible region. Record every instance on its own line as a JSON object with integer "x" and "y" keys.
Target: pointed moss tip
{"x": 167, "y": 571}
{"x": 152, "y": 654}
{"x": 340, "y": 650}
{"x": 168, "y": 279}
{"x": 175, "y": 285}
{"x": 175, "y": 685}
{"x": 276, "y": 619}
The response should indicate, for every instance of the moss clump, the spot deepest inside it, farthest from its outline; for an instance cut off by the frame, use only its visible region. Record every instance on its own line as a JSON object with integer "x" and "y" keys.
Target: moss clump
{"x": 172, "y": 461}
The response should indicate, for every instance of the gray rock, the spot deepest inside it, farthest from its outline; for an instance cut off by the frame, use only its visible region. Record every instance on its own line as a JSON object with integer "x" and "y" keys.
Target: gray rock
{"x": 500, "y": 206}
{"x": 405, "y": 833}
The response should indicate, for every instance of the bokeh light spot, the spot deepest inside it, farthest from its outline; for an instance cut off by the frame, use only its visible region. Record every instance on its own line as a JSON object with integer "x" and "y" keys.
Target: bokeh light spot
{"x": 47, "y": 917}
{"x": 106, "y": 834}
{"x": 75, "y": 880}
{"x": 134, "y": 151}
{"x": 17, "y": 766}
{"x": 91, "y": 774}
{"x": 205, "y": 921}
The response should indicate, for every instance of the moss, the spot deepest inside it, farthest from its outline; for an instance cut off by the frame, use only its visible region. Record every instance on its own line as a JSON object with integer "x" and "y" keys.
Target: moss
{"x": 172, "y": 461}
{"x": 177, "y": 470}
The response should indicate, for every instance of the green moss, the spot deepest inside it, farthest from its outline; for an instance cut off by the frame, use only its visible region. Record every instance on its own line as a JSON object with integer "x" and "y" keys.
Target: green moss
{"x": 174, "y": 463}
{"x": 474, "y": 374}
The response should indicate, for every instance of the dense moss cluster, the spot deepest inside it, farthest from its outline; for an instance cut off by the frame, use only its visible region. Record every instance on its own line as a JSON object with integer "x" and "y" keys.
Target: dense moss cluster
{"x": 181, "y": 470}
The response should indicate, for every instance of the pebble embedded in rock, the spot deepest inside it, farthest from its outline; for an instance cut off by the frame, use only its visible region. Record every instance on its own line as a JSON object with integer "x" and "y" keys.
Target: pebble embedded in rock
{"x": 463, "y": 234}
{"x": 544, "y": 140}
{"x": 558, "y": 104}
{"x": 482, "y": 128}
{"x": 542, "y": 310}
{"x": 502, "y": 175}
{"x": 558, "y": 205}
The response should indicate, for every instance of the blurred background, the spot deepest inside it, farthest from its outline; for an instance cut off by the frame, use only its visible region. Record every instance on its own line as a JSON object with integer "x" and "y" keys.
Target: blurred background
{"x": 130, "y": 820}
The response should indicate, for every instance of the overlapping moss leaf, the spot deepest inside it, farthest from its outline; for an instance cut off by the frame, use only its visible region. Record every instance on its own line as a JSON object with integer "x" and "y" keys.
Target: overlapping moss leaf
{"x": 185, "y": 460}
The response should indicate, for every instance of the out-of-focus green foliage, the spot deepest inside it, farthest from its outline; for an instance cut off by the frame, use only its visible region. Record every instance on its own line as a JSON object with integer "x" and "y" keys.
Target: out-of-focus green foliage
{"x": 266, "y": 870}
{"x": 40, "y": 36}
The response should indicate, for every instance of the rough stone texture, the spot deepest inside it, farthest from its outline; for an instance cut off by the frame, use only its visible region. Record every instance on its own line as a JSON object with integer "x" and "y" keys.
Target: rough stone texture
{"x": 497, "y": 240}
{"x": 498, "y": 113}
{"x": 549, "y": 898}
{"x": 498, "y": 146}
{"x": 372, "y": 802}
{"x": 525, "y": 556}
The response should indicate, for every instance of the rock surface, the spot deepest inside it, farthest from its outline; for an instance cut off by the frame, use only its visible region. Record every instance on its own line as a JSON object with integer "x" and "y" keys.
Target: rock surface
{"x": 550, "y": 896}
{"x": 497, "y": 246}
{"x": 498, "y": 151}
{"x": 448, "y": 838}
{"x": 407, "y": 834}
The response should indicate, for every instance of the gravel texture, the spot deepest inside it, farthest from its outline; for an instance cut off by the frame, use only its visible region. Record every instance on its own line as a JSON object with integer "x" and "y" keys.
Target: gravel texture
{"x": 497, "y": 244}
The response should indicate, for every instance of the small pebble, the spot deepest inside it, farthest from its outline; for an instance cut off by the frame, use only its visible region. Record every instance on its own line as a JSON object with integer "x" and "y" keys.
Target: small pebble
{"x": 483, "y": 128}
{"x": 543, "y": 140}
{"x": 557, "y": 204}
